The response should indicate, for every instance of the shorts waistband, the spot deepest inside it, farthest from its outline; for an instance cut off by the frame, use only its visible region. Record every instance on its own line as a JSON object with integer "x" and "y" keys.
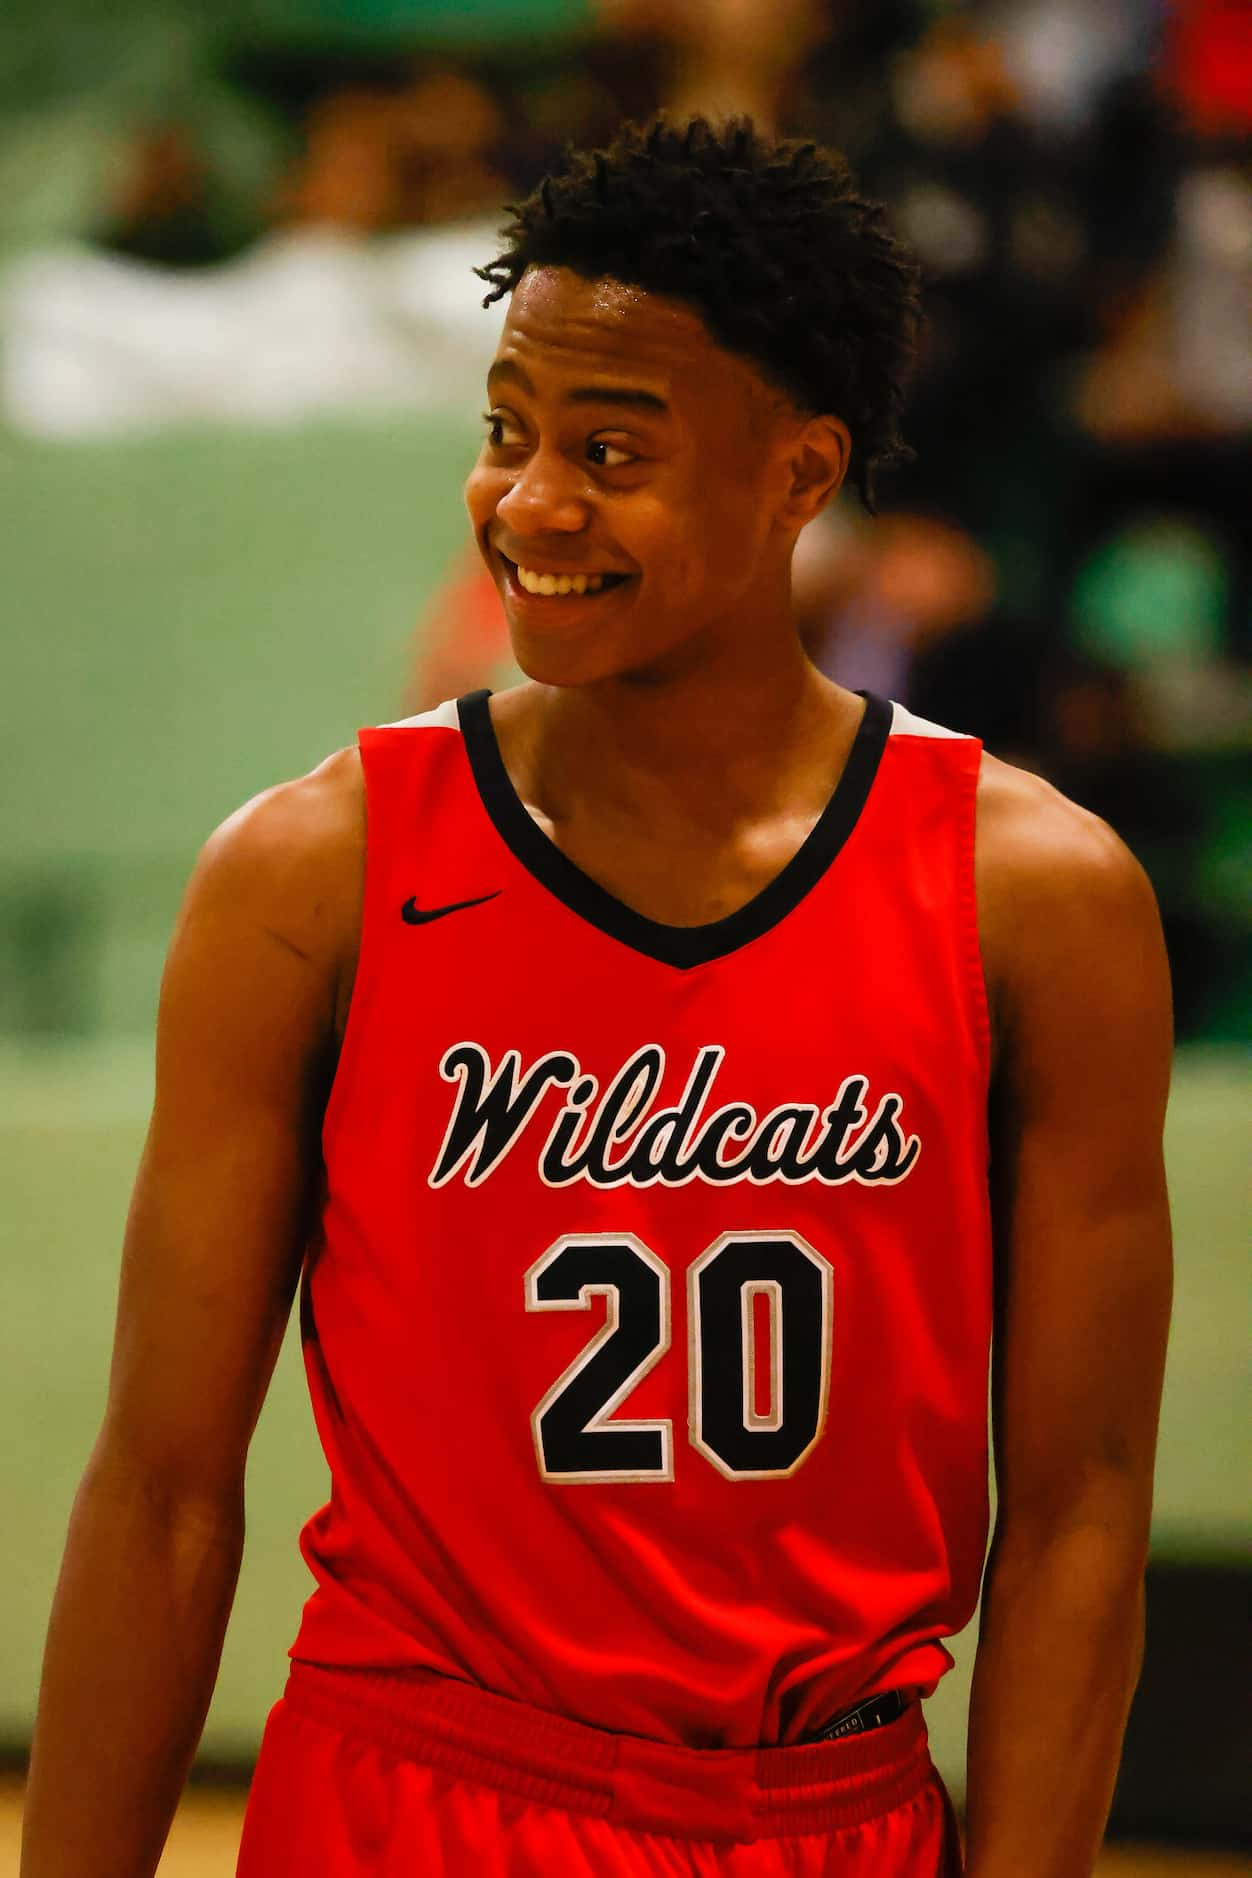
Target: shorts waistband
{"x": 728, "y": 1794}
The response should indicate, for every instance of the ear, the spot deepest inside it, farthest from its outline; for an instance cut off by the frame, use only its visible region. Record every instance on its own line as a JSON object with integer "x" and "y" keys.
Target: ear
{"x": 818, "y": 453}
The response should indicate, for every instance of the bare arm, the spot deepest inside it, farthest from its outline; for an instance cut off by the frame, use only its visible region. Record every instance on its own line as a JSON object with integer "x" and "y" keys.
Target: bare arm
{"x": 1081, "y": 994}
{"x": 212, "y": 1255}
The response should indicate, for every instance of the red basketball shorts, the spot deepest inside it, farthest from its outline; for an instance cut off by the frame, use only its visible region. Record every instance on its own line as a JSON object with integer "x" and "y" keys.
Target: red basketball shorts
{"x": 419, "y": 1776}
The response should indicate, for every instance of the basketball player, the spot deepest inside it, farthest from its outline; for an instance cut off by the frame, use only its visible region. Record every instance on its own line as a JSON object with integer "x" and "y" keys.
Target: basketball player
{"x": 621, "y": 1059}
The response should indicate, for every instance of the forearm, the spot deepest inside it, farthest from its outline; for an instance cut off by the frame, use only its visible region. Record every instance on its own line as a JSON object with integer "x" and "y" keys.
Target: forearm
{"x": 132, "y": 1655}
{"x": 1059, "y": 1652}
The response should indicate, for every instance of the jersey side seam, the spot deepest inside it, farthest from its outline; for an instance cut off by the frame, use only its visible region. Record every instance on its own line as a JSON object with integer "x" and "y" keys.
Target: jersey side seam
{"x": 977, "y": 982}
{"x": 355, "y": 1023}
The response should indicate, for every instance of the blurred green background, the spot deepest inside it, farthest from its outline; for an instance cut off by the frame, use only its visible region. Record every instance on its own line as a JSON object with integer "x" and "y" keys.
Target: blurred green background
{"x": 185, "y": 620}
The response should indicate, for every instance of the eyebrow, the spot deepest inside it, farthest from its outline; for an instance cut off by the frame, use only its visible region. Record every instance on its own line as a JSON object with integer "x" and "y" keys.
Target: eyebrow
{"x": 634, "y": 397}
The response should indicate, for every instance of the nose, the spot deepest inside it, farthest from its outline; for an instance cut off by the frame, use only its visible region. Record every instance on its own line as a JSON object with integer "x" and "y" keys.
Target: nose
{"x": 542, "y": 499}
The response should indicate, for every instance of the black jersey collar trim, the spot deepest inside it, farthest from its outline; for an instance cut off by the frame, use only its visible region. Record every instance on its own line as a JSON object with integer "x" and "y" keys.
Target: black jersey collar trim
{"x": 681, "y": 946}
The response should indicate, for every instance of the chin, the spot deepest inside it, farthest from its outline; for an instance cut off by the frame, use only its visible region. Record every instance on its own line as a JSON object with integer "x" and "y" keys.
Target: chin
{"x": 548, "y": 664}
{"x": 552, "y": 661}
{"x": 590, "y": 657}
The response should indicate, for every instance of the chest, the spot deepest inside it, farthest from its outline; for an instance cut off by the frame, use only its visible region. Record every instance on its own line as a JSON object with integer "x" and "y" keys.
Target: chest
{"x": 682, "y": 874}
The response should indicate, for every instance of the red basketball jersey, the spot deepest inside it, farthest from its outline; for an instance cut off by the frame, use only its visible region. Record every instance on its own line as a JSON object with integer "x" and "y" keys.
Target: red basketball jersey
{"x": 647, "y": 1321}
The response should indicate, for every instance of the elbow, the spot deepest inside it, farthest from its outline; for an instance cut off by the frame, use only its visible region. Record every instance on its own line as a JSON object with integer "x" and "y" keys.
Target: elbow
{"x": 1098, "y": 1520}
{"x": 161, "y": 1492}
{"x": 1089, "y": 1573}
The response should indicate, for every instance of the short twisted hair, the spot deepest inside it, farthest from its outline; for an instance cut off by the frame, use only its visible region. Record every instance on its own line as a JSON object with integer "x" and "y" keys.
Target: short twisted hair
{"x": 768, "y": 240}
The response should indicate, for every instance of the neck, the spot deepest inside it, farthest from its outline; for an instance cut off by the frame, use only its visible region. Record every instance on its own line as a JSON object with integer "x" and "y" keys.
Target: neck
{"x": 733, "y": 730}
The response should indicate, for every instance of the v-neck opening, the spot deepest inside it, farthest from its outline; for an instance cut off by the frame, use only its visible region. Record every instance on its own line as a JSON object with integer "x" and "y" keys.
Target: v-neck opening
{"x": 680, "y": 946}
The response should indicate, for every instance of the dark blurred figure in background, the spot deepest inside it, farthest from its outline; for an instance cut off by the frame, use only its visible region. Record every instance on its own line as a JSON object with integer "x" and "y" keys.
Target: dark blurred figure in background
{"x": 724, "y": 56}
{"x": 377, "y": 159}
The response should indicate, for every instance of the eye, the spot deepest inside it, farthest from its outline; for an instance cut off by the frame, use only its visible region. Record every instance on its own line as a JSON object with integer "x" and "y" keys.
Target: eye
{"x": 498, "y": 425}
{"x": 611, "y": 450}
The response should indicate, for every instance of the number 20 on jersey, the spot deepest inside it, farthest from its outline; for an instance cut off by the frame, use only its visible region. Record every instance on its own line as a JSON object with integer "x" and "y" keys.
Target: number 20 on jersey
{"x": 575, "y": 1439}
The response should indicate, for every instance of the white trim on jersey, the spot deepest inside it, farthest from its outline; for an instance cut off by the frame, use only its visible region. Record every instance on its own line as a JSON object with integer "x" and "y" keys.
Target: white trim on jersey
{"x": 443, "y": 717}
{"x": 905, "y": 724}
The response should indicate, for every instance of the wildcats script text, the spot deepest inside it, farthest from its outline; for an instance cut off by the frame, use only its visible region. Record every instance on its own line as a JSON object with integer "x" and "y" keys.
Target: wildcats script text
{"x": 616, "y": 1138}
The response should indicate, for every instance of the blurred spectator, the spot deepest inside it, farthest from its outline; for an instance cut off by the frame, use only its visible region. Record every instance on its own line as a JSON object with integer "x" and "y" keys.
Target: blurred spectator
{"x": 723, "y": 56}
{"x": 161, "y": 209}
{"x": 1152, "y": 602}
{"x": 1207, "y": 65}
{"x": 1173, "y": 359}
{"x": 379, "y": 160}
{"x": 1064, "y": 55}
{"x": 918, "y": 578}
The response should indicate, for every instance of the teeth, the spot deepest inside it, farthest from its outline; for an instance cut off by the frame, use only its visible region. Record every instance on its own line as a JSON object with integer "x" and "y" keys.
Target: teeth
{"x": 559, "y": 583}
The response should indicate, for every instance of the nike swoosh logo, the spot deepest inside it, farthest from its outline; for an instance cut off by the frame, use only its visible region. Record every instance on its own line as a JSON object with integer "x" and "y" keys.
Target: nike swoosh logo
{"x": 414, "y": 915}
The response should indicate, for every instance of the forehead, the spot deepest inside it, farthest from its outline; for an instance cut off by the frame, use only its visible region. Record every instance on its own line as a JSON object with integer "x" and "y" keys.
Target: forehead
{"x": 561, "y": 327}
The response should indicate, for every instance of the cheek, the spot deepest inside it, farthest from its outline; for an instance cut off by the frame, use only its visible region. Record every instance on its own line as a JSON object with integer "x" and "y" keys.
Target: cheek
{"x": 675, "y": 531}
{"x": 483, "y": 490}
{"x": 717, "y": 545}
{"x": 737, "y": 507}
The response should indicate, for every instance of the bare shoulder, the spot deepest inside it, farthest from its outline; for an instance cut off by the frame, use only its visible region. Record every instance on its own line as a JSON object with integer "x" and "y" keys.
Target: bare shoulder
{"x": 292, "y": 859}
{"x": 1060, "y": 895}
{"x": 1033, "y": 838}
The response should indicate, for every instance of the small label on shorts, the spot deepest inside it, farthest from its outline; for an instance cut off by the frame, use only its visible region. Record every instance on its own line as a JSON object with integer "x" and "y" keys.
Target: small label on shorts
{"x": 871, "y": 1714}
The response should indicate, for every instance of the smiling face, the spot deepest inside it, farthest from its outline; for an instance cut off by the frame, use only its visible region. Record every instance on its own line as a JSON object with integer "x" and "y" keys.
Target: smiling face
{"x": 640, "y": 488}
